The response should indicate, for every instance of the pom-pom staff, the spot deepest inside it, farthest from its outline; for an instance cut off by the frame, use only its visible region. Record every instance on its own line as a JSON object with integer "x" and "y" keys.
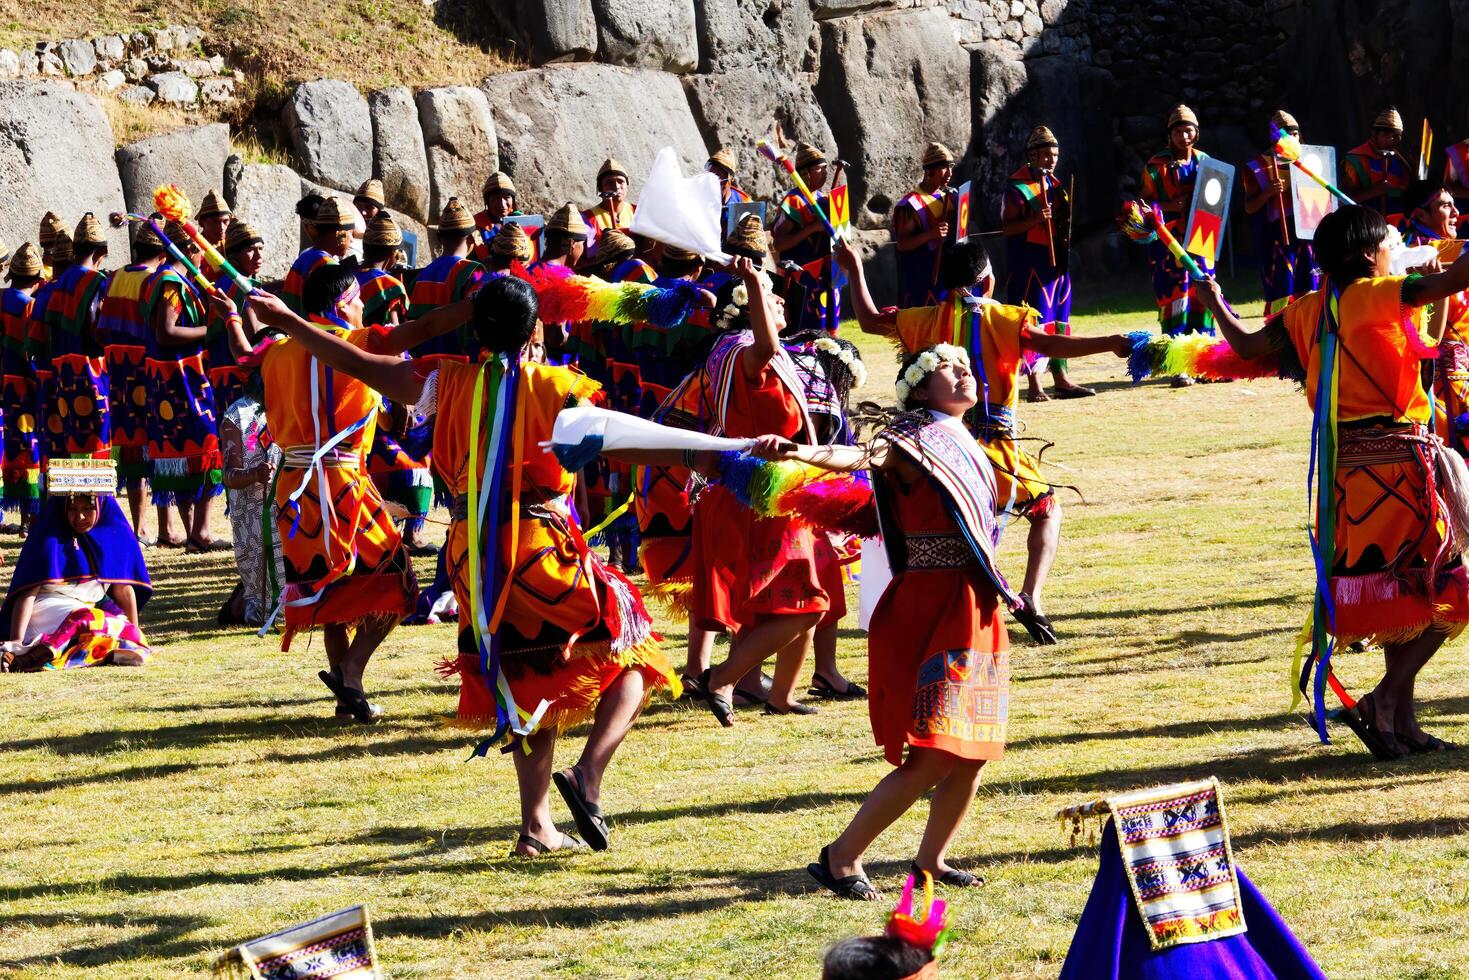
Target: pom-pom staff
{"x": 1144, "y": 223}
{"x": 174, "y": 205}
{"x": 1288, "y": 148}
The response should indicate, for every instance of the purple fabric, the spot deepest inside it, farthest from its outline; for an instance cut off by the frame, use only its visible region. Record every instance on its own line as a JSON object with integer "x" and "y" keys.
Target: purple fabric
{"x": 1110, "y": 940}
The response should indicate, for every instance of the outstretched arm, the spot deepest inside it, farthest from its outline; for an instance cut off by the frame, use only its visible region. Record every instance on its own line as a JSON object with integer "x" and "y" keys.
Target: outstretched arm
{"x": 869, "y": 318}
{"x": 1056, "y": 345}
{"x": 406, "y": 336}
{"x": 1249, "y": 344}
{"x": 388, "y": 373}
{"x": 1439, "y": 285}
{"x": 840, "y": 459}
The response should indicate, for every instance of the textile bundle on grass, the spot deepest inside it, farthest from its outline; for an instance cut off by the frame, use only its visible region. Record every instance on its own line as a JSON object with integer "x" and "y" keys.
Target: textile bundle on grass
{"x": 1168, "y": 899}
{"x": 337, "y": 945}
{"x": 1196, "y": 355}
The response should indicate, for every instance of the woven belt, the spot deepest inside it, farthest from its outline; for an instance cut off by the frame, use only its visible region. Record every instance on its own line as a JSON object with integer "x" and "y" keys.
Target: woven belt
{"x": 939, "y": 551}
{"x": 300, "y": 458}
{"x": 1369, "y": 447}
{"x": 459, "y": 510}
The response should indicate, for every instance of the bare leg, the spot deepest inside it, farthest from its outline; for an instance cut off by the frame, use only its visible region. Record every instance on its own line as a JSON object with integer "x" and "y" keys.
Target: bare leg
{"x": 533, "y": 776}
{"x": 1041, "y": 543}
{"x": 825, "y": 643}
{"x": 1035, "y": 392}
{"x": 788, "y": 662}
{"x": 701, "y": 649}
{"x": 199, "y": 529}
{"x": 165, "y": 526}
{"x": 370, "y": 636}
{"x": 946, "y": 812}
{"x": 137, "y": 505}
{"x": 1392, "y": 699}
{"x": 753, "y": 646}
{"x": 893, "y": 796}
{"x": 618, "y": 708}
{"x": 334, "y": 638}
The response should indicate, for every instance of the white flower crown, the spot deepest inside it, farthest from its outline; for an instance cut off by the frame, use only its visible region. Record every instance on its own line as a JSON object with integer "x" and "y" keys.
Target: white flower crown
{"x": 926, "y": 364}
{"x": 853, "y": 363}
{"x": 739, "y": 298}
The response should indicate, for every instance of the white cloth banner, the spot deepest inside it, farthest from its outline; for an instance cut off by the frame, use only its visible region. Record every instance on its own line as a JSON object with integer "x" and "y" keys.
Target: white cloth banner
{"x": 877, "y": 574}
{"x": 678, "y": 210}
{"x": 618, "y": 430}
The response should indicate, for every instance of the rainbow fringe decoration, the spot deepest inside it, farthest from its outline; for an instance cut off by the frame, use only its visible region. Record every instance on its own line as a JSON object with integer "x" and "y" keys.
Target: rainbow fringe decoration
{"x": 1197, "y": 355}
{"x": 581, "y": 299}
{"x": 1143, "y": 224}
{"x": 812, "y": 496}
{"x": 931, "y": 932}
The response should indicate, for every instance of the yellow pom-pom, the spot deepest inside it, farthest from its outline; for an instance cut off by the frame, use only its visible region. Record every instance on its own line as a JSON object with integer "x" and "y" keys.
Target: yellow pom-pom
{"x": 172, "y": 203}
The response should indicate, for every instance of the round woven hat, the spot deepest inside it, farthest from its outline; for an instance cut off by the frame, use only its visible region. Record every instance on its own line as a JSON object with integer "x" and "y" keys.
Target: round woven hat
{"x": 747, "y": 239}
{"x": 145, "y": 235}
{"x": 675, "y": 254}
{"x": 1041, "y": 136}
{"x": 724, "y": 159}
{"x": 1182, "y": 115}
{"x": 61, "y": 247}
{"x": 371, "y": 190}
{"x": 614, "y": 246}
{"x": 1284, "y": 120}
{"x": 499, "y": 182}
{"x": 568, "y": 221}
{"x": 51, "y": 226}
{"x": 936, "y": 155}
{"x": 89, "y": 231}
{"x": 1388, "y": 119}
{"x": 808, "y": 155}
{"x": 383, "y": 232}
{"x": 333, "y": 215}
{"x": 212, "y": 207}
{"x": 241, "y": 236}
{"x": 179, "y": 237}
{"x": 25, "y": 262}
{"x": 455, "y": 217}
{"x": 511, "y": 242}
{"x": 611, "y": 166}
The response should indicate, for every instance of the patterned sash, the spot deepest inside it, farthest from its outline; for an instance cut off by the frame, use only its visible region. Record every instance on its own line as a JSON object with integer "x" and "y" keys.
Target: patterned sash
{"x": 722, "y": 364}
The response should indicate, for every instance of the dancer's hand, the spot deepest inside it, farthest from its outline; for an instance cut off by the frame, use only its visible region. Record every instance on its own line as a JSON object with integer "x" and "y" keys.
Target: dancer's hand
{"x": 222, "y": 304}
{"x": 1121, "y": 345}
{"x": 1212, "y": 295}
{"x": 271, "y": 310}
{"x": 770, "y": 447}
{"x": 845, "y": 256}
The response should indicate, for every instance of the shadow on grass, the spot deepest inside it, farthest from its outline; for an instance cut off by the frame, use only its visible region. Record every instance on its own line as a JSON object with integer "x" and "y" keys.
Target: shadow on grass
{"x": 161, "y": 937}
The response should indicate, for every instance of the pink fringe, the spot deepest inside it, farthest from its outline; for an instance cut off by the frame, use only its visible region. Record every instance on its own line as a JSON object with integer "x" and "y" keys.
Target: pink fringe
{"x": 1220, "y": 361}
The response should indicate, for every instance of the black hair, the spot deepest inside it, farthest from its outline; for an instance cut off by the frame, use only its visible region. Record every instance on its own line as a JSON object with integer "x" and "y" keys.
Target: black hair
{"x": 1344, "y": 237}
{"x": 873, "y": 958}
{"x": 86, "y": 250}
{"x": 962, "y": 264}
{"x": 1419, "y": 192}
{"x": 146, "y": 251}
{"x": 309, "y": 205}
{"x": 557, "y": 242}
{"x": 674, "y": 268}
{"x": 325, "y": 286}
{"x": 505, "y": 312}
{"x": 372, "y": 254}
{"x": 450, "y": 237}
{"x": 24, "y": 282}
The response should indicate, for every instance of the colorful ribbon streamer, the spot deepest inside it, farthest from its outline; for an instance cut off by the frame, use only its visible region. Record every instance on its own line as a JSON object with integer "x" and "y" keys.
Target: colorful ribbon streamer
{"x": 173, "y": 204}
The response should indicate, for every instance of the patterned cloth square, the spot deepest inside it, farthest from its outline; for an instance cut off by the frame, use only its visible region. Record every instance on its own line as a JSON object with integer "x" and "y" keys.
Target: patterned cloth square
{"x": 337, "y": 946}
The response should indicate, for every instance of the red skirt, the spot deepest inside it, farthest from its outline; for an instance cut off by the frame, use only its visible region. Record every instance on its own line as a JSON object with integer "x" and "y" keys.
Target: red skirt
{"x": 747, "y": 567}
{"x": 938, "y": 667}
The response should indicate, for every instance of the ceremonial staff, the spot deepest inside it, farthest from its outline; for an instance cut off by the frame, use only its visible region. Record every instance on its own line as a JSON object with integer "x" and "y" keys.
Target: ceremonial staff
{"x": 1280, "y": 195}
{"x": 1050, "y": 225}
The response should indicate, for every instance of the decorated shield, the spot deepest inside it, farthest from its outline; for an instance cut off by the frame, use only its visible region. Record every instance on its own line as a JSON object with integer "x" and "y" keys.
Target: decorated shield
{"x": 1210, "y": 210}
{"x": 1311, "y": 201}
{"x": 961, "y": 213}
{"x": 839, "y": 209}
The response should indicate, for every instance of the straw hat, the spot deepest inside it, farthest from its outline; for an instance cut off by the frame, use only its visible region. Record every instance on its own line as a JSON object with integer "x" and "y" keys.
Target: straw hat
{"x": 61, "y": 247}
{"x": 808, "y": 155}
{"x": 241, "y": 236}
{"x": 611, "y": 166}
{"x": 333, "y": 215}
{"x": 212, "y": 207}
{"x": 179, "y": 237}
{"x": 455, "y": 217}
{"x": 89, "y": 231}
{"x": 724, "y": 159}
{"x": 568, "y": 221}
{"x": 383, "y": 232}
{"x": 1182, "y": 115}
{"x": 614, "y": 246}
{"x": 499, "y": 182}
{"x": 25, "y": 262}
{"x": 1284, "y": 120}
{"x": 1041, "y": 136}
{"x": 511, "y": 242}
{"x": 1388, "y": 119}
{"x": 936, "y": 155}
{"x": 145, "y": 235}
{"x": 675, "y": 254}
{"x": 747, "y": 239}
{"x": 371, "y": 190}
{"x": 51, "y": 226}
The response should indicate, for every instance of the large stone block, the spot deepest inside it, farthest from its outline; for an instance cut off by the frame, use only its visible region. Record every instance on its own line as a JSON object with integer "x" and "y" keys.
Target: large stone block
{"x": 548, "y": 30}
{"x": 192, "y": 158}
{"x": 266, "y": 196}
{"x": 399, "y": 158}
{"x": 648, "y": 34}
{"x": 736, "y": 108}
{"x": 55, "y": 155}
{"x": 459, "y": 134}
{"x": 889, "y": 84}
{"x": 779, "y": 37}
{"x": 556, "y": 125}
{"x": 331, "y": 129}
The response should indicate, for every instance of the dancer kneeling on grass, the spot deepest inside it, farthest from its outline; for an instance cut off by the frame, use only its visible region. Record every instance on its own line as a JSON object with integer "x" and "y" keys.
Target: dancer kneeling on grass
{"x": 1395, "y": 515}
{"x": 549, "y": 635}
{"x": 78, "y": 584}
{"x": 938, "y": 654}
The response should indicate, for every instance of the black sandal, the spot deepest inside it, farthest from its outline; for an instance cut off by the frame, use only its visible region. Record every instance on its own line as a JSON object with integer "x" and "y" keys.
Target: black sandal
{"x": 588, "y": 816}
{"x": 350, "y": 698}
{"x": 1428, "y": 746}
{"x": 856, "y": 887}
{"x": 692, "y": 691}
{"x": 796, "y": 709}
{"x": 1363, "y": 722}
{"x": 718, "y": 704}
{"x": 954, "y": 877}
{"x": 568, "y": 843}
{"x": 825, "y": 690}
{"x": 1037, "y": 625}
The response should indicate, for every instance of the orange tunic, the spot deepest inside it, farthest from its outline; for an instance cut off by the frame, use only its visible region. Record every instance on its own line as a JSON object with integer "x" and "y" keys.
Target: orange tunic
{"x": 344, "y": 560}
{"x": 1389, "y": 579}
{"x": 571, "y": 623}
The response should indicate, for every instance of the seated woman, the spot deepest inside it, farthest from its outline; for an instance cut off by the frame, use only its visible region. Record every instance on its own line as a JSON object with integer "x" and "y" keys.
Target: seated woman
{"x": 77, "y": 588}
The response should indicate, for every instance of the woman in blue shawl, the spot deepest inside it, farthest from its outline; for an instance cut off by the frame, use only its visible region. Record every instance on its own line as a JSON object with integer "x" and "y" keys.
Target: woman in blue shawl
{"x": 77, "y": 589}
